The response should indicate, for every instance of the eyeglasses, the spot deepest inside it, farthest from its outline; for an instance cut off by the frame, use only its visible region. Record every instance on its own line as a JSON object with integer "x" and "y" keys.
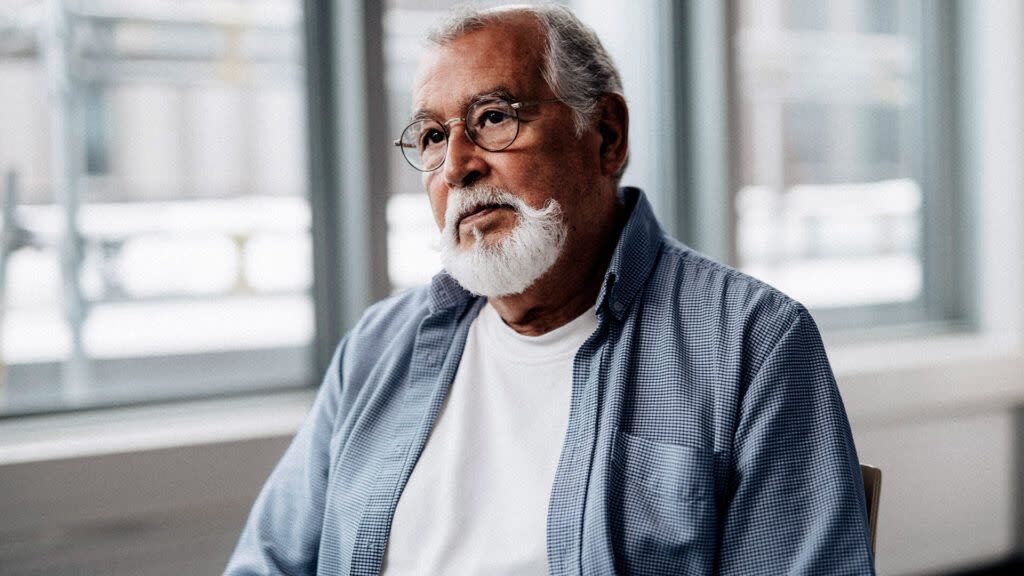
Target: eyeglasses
{"x": 492, "y": 123}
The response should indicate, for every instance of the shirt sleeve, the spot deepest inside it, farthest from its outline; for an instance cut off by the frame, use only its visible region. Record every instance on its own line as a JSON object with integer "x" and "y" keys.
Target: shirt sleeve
{"x": 797, "y": 497}
{"x": 282, "y": 534}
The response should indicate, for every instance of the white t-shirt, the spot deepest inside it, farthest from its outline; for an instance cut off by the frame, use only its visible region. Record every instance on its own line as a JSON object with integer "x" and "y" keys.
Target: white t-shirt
{"x": 477, "y": 500}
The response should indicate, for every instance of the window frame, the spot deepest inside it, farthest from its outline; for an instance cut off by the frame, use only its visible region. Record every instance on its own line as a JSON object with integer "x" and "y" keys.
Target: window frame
{"x": 347, "y": 183}
{"x": 348, "y": 170}
{"x": 705, "y": 215}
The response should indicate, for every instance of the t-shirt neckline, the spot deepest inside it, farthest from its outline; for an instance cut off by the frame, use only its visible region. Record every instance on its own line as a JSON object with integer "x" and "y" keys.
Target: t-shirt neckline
{"x": 558, "y": 343}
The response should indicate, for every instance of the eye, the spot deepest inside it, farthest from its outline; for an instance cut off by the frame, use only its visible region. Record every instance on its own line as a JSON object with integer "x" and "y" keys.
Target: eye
{"x": 431, "y": 137}
{"x": 495, "y": 117}
{"x": 491, "y": 117}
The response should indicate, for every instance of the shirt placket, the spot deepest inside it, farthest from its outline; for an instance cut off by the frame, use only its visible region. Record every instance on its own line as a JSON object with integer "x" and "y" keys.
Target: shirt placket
{"x": 431, "y": 374}
{"x": 569, "y": 491}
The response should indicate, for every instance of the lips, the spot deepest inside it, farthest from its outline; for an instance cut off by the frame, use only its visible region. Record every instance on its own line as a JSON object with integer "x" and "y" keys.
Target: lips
{"x": 478, "y": 212}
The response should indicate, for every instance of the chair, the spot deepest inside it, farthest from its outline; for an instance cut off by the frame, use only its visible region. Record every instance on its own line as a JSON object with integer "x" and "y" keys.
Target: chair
{"x": 872, "y": 489}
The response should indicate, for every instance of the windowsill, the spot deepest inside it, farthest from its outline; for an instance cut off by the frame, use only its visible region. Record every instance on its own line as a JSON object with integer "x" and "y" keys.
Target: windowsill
{"x": 942, "y": 372}
{"x": 912, "y": 345}
{"x": 138, "y": 429}
{"x": 882, "y": 379}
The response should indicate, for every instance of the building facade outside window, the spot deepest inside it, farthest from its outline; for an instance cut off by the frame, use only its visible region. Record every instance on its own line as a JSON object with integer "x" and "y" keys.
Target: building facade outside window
{"x": 155, "y": 216}
{"x": 829, "y": 200}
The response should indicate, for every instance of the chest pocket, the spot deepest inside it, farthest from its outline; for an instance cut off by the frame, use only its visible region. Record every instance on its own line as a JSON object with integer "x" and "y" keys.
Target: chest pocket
{"x": 662, "y": 507}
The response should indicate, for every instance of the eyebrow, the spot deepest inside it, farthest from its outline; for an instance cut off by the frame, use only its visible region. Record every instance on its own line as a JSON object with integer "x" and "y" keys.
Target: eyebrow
{"x": 499, "y": 91}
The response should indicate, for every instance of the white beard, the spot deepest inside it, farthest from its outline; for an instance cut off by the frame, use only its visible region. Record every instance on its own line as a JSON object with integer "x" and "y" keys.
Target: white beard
{"x": 511, "y": 264}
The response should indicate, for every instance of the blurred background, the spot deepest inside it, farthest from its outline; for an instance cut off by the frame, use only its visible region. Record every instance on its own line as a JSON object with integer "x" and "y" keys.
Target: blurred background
{"x": 199, "y": 197}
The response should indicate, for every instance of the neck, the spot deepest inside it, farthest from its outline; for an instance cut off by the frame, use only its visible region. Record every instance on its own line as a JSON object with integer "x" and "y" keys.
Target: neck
{"x": 568, "y": 289}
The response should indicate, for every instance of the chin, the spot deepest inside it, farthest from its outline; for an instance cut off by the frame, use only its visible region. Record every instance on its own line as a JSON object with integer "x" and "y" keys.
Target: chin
{"x": 476, "y": 239}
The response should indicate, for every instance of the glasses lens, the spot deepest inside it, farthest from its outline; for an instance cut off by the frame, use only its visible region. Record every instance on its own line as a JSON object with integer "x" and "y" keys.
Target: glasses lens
{"x": 424, "y": 144}
{"x": 493, "y": 123}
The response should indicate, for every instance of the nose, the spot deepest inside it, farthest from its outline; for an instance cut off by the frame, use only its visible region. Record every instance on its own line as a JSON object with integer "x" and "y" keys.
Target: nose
{"x": 465, "y": 163}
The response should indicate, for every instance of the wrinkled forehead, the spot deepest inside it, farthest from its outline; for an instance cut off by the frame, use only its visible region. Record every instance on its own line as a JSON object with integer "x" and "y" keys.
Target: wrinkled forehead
{"x": 506, "y": 54}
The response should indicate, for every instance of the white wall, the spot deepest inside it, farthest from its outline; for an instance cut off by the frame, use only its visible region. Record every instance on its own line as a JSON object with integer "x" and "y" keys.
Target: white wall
{"x": 946, "y": 491}
{"x": 166, "y": 511}
{"x": 137, "y": 491}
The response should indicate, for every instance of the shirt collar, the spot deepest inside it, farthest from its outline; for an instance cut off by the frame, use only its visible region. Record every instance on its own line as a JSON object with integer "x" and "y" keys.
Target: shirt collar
{"x": 631, "y": 264}
{"x": 446, "y": 292}
{"x": 634, "y": 256}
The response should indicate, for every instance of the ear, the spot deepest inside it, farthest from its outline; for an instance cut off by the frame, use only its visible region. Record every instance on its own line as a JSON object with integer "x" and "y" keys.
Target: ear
{"x": 613, "y": 126}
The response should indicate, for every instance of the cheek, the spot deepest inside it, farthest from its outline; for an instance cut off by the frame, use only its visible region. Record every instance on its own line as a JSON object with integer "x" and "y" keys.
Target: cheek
{"x": 438, "y": 202}
{"x": 553, "y": 161}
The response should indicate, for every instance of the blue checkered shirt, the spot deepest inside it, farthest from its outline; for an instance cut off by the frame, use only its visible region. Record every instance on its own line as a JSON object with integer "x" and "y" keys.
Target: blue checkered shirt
{"x": 706, "y": 433}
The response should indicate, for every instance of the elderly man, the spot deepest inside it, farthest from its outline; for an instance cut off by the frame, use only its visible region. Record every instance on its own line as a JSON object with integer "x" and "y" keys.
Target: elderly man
{"x": 577, "y": 393}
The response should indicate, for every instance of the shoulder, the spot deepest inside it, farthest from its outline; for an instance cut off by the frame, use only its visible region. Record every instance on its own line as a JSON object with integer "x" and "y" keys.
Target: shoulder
{"x": 382, "y": 339}
{"x": 386, "y": 329}
{"x": 719, "y": 305}
{"x": 701, "y": 280}
{"x": 389, "y": 321}
{"x": 390, "y": 314}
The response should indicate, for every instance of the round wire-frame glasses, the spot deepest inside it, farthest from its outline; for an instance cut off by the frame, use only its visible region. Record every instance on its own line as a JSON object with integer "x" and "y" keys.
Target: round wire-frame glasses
{"x": 492, "y": 123}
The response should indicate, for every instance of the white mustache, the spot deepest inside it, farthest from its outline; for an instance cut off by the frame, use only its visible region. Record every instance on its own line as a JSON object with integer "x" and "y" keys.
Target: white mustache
{"x": 464, "y": 201}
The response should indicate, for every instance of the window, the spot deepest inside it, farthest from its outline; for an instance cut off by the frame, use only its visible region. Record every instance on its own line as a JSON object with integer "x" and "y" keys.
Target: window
{"x": 841, "y": 155}
{"x": 156, "y": 221}
{"x": 810, "y": 144}
{"x": 169, "y": 231}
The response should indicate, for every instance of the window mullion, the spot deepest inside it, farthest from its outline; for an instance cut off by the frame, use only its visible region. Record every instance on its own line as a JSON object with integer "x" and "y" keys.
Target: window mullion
{"x": 943, "y": 255}
{"x": 349, "y": 174}
{"x": 705, "y": 215}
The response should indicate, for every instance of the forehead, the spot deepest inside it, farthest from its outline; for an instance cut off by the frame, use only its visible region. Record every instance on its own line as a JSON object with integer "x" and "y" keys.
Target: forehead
{"x": 504, "y": 54}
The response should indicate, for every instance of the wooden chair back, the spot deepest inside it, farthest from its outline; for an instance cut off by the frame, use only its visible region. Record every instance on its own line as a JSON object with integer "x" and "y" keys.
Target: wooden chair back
{"x": 872, "y": 489}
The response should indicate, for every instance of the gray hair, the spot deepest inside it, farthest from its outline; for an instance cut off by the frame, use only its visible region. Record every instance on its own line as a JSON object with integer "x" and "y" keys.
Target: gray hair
{"x": 576, "y": 66}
